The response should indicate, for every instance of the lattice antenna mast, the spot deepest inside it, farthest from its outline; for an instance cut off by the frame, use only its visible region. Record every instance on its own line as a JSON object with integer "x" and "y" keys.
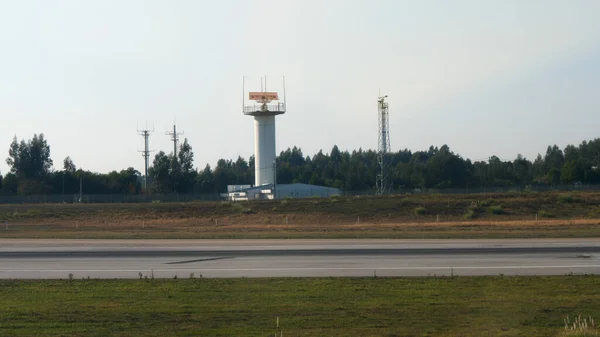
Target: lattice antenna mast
{"x": 175, "y": 138}
{"x": 383, "y": 185}
{"x": 146, "y": 153}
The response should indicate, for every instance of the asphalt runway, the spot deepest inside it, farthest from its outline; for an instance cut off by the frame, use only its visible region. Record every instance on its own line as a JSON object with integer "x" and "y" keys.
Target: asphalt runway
{"x": 57, "y": 259}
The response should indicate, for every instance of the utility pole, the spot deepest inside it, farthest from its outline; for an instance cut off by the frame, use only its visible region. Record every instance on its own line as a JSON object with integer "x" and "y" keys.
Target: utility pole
{"x": 175, "y": 138}
{"x": 146, "y": 154}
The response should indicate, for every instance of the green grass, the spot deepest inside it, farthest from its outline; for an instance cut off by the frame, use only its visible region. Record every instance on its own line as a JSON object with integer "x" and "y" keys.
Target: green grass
{"x": 431, "y": 306}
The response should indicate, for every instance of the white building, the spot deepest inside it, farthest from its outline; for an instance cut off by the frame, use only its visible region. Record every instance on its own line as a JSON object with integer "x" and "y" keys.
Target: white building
{"x": 280, "y": 191}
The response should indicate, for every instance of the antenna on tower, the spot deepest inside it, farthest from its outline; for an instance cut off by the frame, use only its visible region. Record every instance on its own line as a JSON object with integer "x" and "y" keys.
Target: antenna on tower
{"x": 382, "y": 182}
{"x": 146, "y": 153}
{"x": 175, "y": 138}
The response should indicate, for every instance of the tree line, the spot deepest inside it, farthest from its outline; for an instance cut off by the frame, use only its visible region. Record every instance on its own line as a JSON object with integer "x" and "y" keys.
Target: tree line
{"x": 32, "y": 171}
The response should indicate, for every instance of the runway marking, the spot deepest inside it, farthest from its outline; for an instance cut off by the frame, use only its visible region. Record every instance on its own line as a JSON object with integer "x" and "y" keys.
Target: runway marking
{"x": 299, "y": 269}
{"x": 200, "y": 260}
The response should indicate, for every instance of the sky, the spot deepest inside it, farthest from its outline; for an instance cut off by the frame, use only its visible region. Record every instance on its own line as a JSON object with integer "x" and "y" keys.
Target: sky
{"x": 494, "y": 77}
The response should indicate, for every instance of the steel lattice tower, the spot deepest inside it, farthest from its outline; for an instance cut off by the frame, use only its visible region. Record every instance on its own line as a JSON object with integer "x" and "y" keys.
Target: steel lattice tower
{"x": 383, "y": 185}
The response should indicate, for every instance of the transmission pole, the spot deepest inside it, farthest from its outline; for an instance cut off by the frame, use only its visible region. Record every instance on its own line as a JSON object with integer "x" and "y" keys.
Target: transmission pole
{"x": 175, "y": 138}
{"x": 382, "y": 183}
{"x": 146, "y": 154}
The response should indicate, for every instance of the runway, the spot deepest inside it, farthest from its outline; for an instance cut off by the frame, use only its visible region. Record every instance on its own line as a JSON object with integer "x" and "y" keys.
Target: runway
{"x": 58, "y": 259}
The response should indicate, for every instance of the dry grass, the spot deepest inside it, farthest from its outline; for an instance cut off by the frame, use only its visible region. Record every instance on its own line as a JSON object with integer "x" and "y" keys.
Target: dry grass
{"x": 192, "y": 228}
{"x": 401, "y": 216}
{"x": 580, "y": 327}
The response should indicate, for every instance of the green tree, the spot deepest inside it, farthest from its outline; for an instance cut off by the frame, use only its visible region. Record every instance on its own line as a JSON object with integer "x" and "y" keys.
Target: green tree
{"x": 523, "y": 170}
{"x": 10, "y": 184}
{"x": 31, "y": 159}
{"x": 204, "y": 181}
{"x": 554, "y": 158}
{"x": 185, "y": 174}
{"x": 573, "y": 171}
{"x": 159, "y": 172}
{"x": 68, "y": 165}
{"x": 130, "y": 181}
{"x": 223, "y": 175}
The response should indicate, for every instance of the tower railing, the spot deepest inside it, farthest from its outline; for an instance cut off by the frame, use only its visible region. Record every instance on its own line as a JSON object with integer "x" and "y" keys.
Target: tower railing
{"x": 278, "y": 108}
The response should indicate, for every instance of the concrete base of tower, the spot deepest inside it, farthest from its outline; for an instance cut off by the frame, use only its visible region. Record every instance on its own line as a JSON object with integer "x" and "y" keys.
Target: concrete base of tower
{"x": 264, "y": 150}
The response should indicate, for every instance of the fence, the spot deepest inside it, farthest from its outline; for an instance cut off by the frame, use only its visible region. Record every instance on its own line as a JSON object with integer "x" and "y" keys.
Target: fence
{"x": 149, "y": 198}
{"x": 108, "y": 198}
{"x": 485, "y": 190}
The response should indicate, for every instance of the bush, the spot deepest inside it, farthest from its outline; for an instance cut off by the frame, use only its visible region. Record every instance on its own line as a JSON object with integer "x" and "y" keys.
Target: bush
{"x": 469, "y": 214}
{"x": 546, "y": 214}
{"x": 239, "y": 208}
{"x": 566, "y": 199}
{"x": 487, "y": 202}
{"x": 248, "y": 211}
{"x": 420, "y": 210}
{"x": 497, "y": 210}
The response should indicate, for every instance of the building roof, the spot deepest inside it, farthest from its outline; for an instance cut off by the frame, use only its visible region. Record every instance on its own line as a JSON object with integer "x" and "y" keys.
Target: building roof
{"x": 297, "y": 186}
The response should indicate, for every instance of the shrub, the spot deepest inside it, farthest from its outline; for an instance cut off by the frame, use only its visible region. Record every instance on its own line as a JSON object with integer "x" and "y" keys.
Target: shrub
{"x": 420, "y": 210}
{"x": 487, "y": 202}
{"x": 497, "y": 210}
{"x": 566, "y": 199}
{"x": 248, "y": 211}
{"x": 546, "y": 214}
{"x": 469, "y": 214}
{"x": 239, "y": 208}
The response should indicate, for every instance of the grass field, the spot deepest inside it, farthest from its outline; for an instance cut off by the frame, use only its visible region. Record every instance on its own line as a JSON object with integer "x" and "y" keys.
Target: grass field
{"x": 434, "y": 306}
{"x": 508, "y": 215}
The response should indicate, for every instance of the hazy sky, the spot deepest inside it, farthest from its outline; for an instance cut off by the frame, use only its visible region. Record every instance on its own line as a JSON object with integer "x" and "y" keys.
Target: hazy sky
{"x": 485, "y": 77}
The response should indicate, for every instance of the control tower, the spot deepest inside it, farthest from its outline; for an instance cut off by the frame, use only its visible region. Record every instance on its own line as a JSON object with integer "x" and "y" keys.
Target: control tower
{"x": 264, "y": 110}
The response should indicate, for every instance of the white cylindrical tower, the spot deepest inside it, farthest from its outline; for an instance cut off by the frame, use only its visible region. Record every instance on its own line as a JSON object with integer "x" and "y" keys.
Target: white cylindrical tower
{"x": 264, "y": 150}
{"x": 264, "y": 134}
